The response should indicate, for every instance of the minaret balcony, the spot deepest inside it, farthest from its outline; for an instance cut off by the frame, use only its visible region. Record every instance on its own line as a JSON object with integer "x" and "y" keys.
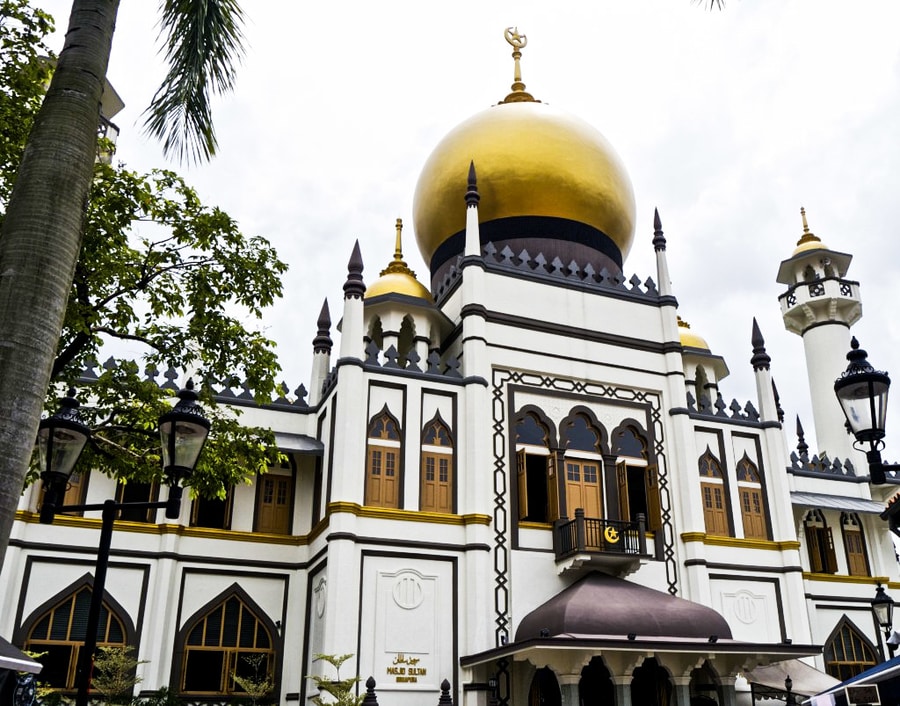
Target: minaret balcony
{"x": 820, "y": 300}
{"x": 614, "y": 546}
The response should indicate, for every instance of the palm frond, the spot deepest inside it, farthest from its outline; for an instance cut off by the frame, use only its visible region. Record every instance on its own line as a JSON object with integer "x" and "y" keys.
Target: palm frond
{"x": 203, "y": 45}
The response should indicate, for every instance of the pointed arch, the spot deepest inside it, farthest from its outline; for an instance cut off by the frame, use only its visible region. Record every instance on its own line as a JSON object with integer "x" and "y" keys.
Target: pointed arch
{"x": 637, "y": 480}
{"x": 436, "y": 488}
{"x": 819, "y": 543}
{"x": 544, "y": 689}
{"x": 582, "y": 438}
{"x": 383, "y": 460}
{"x": 376, "y": 332}
{"x": 651, "y": 684}
{"x": 701, "y": 383}
{"x": 57, "y": 627}
{"x": 406, "y": 339}
{"x": 751, "y": 495}
{"x": 229, "y": 635}
{"x": 854, "y": 544}
{"x": 848, "y": 651}
{"x": 713, "y": 494}
{"x": 536, "y": 466}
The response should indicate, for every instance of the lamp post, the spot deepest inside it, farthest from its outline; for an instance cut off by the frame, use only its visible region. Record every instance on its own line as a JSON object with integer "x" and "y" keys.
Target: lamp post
{"x": 883, "y": 610}
{"x": 863, "y": 393}
{"x": 62, "y": 438}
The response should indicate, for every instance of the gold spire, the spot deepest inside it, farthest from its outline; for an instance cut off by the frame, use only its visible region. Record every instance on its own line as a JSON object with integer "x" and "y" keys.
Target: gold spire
{"x": 682, "y": 323}
{"x": 397, "y": 265}
{"x": 517, "y": 42}
{"x": 397, "y": 278}
{"x": 807, "y": 237}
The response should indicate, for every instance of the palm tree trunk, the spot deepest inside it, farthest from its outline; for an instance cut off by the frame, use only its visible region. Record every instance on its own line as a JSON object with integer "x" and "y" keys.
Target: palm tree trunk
{"x": 41, "y": 238}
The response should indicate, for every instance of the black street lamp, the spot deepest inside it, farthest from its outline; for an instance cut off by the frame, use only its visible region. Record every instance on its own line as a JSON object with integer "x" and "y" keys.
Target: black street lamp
{"x": 61, "y": 439}
{"x": 863, "y": 394}
{"x": 883, "y": 610}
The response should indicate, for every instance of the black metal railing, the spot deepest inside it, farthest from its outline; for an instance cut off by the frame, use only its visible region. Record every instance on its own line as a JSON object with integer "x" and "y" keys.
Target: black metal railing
{"x": 593, "y": 535}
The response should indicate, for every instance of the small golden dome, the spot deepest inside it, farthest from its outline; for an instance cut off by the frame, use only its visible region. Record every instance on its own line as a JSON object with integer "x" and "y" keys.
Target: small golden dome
{"x": 397, "y": 278}
{"x": 809, "y": 240}
{"x": 689, "y": 339}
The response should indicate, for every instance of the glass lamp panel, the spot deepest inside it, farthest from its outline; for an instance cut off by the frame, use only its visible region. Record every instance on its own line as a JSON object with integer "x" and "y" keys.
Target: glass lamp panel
{"x": 59, "y": 448}
{"x": 182, "y": 442}
{"x": 865, "y": 405}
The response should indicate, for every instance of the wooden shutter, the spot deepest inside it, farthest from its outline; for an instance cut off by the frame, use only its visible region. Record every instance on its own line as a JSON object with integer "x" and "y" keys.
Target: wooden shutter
{"x": 552, "y": 488}
{"x": 622, "y": 481}
{"x": 813, "y": 546}
{"x": 522, "y": 478}
{"x": 830, "y": 559}
{"x": 651, "y": 487}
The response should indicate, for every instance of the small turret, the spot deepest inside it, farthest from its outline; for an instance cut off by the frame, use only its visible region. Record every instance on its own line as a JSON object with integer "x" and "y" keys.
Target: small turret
{"x": 352, "y": 330}
{"x": 473, "y": 236}
{"x": 321, "y": 363}
{"x": 765, "y": 391}
{"x": 664, "y": 283}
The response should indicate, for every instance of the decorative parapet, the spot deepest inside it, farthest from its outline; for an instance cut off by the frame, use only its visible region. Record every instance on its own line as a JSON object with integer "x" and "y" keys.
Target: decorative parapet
{"x": 231, "y": 391}
{"x": 555, "y": 270}
{"x": 836, "y": 469}
{"x": 716, "y": 410}
{"x": 390, "y": 359}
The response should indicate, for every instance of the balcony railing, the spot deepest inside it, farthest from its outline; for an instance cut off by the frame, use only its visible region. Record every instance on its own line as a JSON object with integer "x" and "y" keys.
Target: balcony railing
{"x": 588, "y": 535}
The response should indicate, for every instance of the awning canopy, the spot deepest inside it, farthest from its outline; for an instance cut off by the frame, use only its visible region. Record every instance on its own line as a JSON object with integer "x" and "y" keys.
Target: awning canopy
{"x": 298, "y": 444}
{"x": 12, "y": 657}
{"x": 836, "y": 502}
{"x": 886, "y": 675}
{"x": 806, "y": 680}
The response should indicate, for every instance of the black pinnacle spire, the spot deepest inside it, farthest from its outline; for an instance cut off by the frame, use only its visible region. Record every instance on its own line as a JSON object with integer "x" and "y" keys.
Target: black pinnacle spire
{"x": 322, "y": 342}
{"x": 760, "y": 359}
{"x": 472, "y": 195}
{"x": 659, "y": 240}
{"x": 354, "y": 288}
{"x": 802, "y": 446}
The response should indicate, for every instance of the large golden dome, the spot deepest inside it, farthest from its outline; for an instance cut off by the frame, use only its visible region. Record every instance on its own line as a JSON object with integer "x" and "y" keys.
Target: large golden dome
{"x": 532, "y": 160}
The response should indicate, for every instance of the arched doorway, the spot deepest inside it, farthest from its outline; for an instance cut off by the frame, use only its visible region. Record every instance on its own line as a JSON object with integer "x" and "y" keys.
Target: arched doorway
{"x": 544, "y": 689}
{"x": 596, "y": 687}
{"x": 650, "y": 685}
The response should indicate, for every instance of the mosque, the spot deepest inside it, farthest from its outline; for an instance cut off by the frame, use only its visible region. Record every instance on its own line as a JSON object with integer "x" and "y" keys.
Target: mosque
{"x": 519, "y": 474}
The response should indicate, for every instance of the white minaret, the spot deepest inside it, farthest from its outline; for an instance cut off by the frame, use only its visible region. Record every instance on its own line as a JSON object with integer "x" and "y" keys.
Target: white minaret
{"x": 821, "y": 306}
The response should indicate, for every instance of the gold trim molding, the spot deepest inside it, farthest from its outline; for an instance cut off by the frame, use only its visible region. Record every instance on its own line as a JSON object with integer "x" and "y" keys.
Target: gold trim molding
{"x": 384, "y": 513}
{"x": 716, "y": 541}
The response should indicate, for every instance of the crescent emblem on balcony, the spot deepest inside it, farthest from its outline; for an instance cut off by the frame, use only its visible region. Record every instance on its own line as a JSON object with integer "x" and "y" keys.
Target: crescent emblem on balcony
{"x": 611, "y": 534}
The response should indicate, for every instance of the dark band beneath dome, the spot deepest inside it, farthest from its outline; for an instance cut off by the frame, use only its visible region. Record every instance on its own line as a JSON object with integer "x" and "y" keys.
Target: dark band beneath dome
{"x": 533, "y": 228}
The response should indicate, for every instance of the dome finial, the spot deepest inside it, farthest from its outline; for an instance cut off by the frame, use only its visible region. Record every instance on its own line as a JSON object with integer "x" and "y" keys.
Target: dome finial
{"x": 808, "y": 236}
{"x": 398, "y": 264}
{"x": 517, "y": 42}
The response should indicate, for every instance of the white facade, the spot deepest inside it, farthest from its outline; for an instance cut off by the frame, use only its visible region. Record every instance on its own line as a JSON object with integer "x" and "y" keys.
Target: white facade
{"x": 429, "y": 505}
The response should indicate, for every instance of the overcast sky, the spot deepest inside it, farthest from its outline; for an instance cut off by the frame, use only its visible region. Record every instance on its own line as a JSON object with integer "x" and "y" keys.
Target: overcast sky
{"x": 727, "y": 122}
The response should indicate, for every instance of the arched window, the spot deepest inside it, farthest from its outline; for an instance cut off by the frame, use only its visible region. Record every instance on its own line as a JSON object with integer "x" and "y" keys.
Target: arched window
{"x": 809, "y": 274}
{"x": 376, "y": 333}
{"x": 848, "y": 652}
{"x": 701, "y": 384}
{"x": 583, "y": 466}
{"x": 854, "y": 544}
{"x": 750, "y": 491}
{"x": 436, "y": 489}
{"x": 58, "y": 629}
{"x": 227, "y": 637}
{"x": 636, "y": 479}
{"x": 712, "y": 490}
{"x": 819, "y": 543}
{"x": 383, "y": 461}
{"x": 406, "y": 340}
{"x": 538, "y": 497}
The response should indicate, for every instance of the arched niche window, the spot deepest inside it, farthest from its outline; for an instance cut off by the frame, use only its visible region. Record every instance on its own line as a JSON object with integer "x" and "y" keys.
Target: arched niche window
{"x": 848, "y": 652}
{"x": 544, "y": 689}
{"x": 376, "y": 333}
{"x": 405, "y": 340}
{"x": 58, "y": 627}
{"x": 383, "y": 461}
{"x": 583, "y": 466}
{"x": 701, "y": 384}
{"x": 809, "y": 274}
{"x": 651, "y": 685}
{"x": 436, "y": 486}
{"x": 819, "y": 543}
{"x": 713, "y": 494}
{"x": 637, "y": 480}
{"x": 536, "y": 480}
{"x": 230, "y": 635}
{"x": 750, "y": 492}
{"x": 854, "y": 544}
{"x": 704, "y": 686}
